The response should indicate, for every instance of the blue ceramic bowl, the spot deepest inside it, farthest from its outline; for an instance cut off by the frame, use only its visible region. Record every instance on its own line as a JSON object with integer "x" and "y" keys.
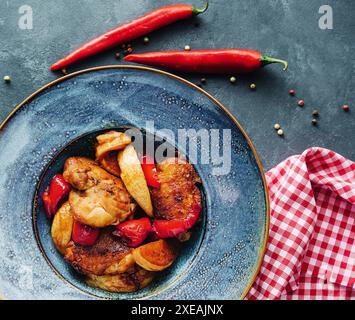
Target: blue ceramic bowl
{"x": 62, "y": 119}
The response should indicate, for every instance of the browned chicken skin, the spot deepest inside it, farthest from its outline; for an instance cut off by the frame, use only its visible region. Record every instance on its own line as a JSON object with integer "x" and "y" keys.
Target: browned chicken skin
{"x": 110, "y": 164}
{"x": 134, "y": 279}
{"x": 102, "y": 258}
{"x": 99, "y": 199}
{"x": 178, "y": 191}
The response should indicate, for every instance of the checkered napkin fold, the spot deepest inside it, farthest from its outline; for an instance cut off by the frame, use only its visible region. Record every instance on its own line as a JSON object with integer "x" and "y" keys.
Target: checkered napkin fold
{"x": 311, "y": 248}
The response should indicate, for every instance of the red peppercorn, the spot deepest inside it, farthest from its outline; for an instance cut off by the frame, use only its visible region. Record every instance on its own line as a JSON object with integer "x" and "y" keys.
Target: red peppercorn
{"x": 292, "y": 92}
{"x": 345, "y": 107}
{"x": 301, "y": 103}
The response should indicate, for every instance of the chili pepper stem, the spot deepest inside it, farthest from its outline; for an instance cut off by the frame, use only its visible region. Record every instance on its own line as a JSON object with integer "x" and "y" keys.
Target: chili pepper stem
{"x": 265, "y": 60}
{"x": 197, "y": 11}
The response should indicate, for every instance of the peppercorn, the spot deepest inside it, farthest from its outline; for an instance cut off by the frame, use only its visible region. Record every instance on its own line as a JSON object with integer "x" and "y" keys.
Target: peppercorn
{"x": 315, "y": 113}
{"x": 301, "y": 103}
{"x": 314, "y": 122}
{"x": 146, "y": 40}
{"x": 277, "y": 126}
{"x": 64, "y": 71}
{"x": 7, "y": 79}
{"x": 253, "y": 86}
{"x": 280, "y": 132}
{"x": 123, "y": 46}
{"x": 203, "y": 80}
{"x": 233, "y": 79}
{"x": 345, "y": 108}
{"x": 292, "y": 92}
{"x": 187, "y": 48}
{"x": 128, "y": 51}
{"x": 117, "y": 55}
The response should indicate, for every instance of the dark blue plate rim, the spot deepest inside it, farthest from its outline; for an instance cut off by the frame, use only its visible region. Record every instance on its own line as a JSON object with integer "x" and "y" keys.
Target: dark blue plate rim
{"x": 214, "y": 100}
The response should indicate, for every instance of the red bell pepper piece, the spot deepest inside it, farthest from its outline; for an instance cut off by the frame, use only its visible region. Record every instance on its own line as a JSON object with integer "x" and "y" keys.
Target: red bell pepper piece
{"x": 84, "y": 235}
{"x": 130, "y": 31}
{"x": 220, "y": 61}
{"x": 134, "y": 232}
{"x": 58, "y": 190}
{"x": 47, "y": 205}
{"x": 172, "y": 228}
{"x": 54, "y": 195}
{"x": 150, "y": 172}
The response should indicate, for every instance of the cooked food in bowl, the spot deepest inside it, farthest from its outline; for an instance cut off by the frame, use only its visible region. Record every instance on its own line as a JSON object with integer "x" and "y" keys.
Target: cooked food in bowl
{"x": 121, "y": 219}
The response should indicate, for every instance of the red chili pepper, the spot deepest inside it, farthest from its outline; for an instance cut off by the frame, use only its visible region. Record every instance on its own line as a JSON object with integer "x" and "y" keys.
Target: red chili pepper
{"x": 172, "y": 228}
{"x": 134, "y": 232}
{"x": 130, "y": 31}
{"x": 150, "y": 172}
{"x": 221, "y": 61}
{"x": 54, "y": 195}
{"x": 84, "y": 235}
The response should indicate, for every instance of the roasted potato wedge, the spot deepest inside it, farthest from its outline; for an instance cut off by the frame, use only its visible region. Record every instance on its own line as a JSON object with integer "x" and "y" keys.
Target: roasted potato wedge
{"x": 156, "y": 256}
{"x": 111, "y": 141}
{"x": 133, "y": 177}
{"x": 62, "y": 227}
{"x": 110, "y": 163}
{"x": 131, "y": 281}
{"x": 124, "y": 265}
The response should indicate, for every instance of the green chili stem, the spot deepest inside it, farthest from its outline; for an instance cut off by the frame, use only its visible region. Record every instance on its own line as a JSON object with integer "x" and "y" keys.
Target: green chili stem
{"x": 197, "y": 11}
{"x": 265, "y": 60}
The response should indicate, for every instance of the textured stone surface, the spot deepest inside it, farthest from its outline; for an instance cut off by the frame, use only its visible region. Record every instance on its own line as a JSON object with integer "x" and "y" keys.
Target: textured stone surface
{"x": 321, "y": 62}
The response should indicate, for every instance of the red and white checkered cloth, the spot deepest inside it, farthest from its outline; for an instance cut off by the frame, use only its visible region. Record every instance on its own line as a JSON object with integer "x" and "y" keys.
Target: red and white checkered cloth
{"x": 311, "y": 248}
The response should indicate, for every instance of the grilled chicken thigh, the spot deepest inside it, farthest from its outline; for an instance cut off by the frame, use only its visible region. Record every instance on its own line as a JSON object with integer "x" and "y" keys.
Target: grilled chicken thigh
{"x": 109, "y": 256}
{"x": 178, "y": 191}
{"x": 99, "y": 199}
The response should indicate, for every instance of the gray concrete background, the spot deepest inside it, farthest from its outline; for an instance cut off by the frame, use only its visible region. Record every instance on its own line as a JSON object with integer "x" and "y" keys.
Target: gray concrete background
{"x": 321, "y": 69}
